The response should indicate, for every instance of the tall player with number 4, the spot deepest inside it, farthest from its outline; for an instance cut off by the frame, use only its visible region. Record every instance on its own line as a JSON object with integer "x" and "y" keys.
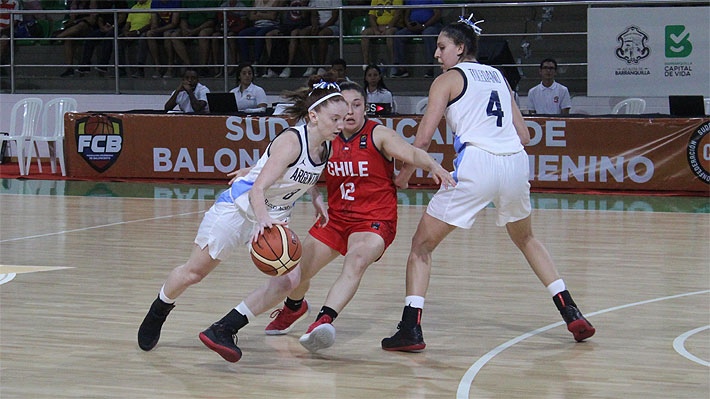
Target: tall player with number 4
{"x": 491, "y": 166}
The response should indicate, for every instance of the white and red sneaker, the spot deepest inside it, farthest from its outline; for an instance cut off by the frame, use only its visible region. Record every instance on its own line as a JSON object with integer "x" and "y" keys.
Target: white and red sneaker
{"x": 320, "y": 335}
{"x": 285, "y": 318}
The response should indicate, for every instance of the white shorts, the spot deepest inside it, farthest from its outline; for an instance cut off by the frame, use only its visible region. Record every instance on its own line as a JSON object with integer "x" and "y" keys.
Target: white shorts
{"x": 223, "y": 228}
{"x": 483, "y": 178}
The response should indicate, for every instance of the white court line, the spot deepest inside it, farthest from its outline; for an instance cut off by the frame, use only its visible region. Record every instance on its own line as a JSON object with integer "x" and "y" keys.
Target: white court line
{"x": 467, "y": 379}
{"x": 679, "y": 346}
{"x": 6, "y": 278}
{"x": 98, "y": 227}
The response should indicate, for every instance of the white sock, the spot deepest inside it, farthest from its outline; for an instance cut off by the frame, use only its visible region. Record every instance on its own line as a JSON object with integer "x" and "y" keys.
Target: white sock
{"x": 414, "y": 301}
{"x": 164, "y": 297}
{"x": 244, "y": 309}
{"x": 556, "y": 287}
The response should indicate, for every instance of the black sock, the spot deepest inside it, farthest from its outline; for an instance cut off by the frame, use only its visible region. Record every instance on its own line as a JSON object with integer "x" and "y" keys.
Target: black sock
{"x": 161, "y": 308}
{"x": 327, "y": 311}
{"x": 293, "y": 304}
{"x": 411, "y": 316}
{"x": 563, "y": 299}
{"x": 234, "y": 319}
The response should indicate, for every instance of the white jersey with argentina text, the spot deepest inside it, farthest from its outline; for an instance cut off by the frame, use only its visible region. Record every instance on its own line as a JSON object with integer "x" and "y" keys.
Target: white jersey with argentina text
{"x": 482, "y": 115}
{"x": 281, "y": 196}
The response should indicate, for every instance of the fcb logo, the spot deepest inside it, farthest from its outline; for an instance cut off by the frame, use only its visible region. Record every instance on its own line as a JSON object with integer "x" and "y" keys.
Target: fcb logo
{"x": 99, "y": 139}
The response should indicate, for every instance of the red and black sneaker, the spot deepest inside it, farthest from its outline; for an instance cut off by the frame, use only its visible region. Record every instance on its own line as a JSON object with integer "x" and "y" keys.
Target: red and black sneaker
{"x": 320, "y": 335}
{"x": 580, "y": 327}
{"x": 285, "y": 318}
{"x": 406, "y": 339}
{"x": 223, "y": 340}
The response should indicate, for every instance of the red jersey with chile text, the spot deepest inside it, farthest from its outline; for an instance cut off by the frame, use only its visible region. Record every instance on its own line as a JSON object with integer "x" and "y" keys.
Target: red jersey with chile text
{"x": 359, "y": 179}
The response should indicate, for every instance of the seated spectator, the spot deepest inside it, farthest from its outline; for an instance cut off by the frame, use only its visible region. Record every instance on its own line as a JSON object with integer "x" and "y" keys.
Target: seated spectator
{"x": 5, "y": 26}
{"x": 323, "y": 23}
{"x": 338, "y": 67}
{"x": 375, "y": 87}
{"x": 382, "y": 22}
{"x": 236, "y": 22}
{"x": 418, "y": 21}
{"x": 103, "y": 29}
{"x": 250, "y": 97}
{"x": 549, "y": 97}
{"x": 162, "y": 24}
{"x": 190, "y": 96}
{"x": 293, "y": 23}
{"x": 195, "y": 24}
{"x": 137, "y": 25}
{"x": 264, "y": 22}
{"x": 78, "y": 25}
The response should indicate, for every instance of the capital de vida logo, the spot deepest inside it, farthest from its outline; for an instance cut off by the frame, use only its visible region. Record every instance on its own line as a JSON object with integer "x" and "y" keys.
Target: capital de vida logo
{"x": 632, "y": 47}
{"x": 699, "y": 152}
{"x": 678, "y": 43}
{"x": 99, "y": 140}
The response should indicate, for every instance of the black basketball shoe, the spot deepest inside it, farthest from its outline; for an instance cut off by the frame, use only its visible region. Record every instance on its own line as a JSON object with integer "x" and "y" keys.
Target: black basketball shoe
{"x": 580, "y": 327}
{"x": 223, "y": 340}
{"x": 408, "y": 338}
{"x": 149, "y": 331}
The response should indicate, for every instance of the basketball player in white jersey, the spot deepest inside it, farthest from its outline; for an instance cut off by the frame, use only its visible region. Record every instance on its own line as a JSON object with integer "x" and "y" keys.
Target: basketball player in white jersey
{"x": 289, "y": 168}
{"x": 491, "y": 166}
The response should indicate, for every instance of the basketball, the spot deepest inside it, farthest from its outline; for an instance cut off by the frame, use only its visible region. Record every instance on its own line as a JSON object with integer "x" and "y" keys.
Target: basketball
{"x": 98, "y": 124}
{"x": 277, "y": 251}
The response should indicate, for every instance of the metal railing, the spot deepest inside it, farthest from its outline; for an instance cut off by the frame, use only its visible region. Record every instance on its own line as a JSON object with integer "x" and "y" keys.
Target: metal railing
{"x": 464, "y": 8}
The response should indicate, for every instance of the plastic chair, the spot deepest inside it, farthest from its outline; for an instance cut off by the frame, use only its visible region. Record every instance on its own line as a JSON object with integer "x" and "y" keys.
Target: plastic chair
{"x": 707, "y": 106}
{"x": 633, "y": 106}
{"x": 357, "y": 25}
{"x": 54, "y": 109}
{"x": 30, "y": 108}
{"x": 421, "y": 106}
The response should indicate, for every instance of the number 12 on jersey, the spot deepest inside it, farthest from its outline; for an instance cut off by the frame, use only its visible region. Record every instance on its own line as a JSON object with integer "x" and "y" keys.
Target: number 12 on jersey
{"x": 346, "y": 189}
{"x": 494, "y": 108}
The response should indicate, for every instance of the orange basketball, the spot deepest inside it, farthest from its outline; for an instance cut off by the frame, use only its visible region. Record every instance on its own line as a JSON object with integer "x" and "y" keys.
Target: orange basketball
{"x": 277, "y": 251}
{"x": 98, "y": 124}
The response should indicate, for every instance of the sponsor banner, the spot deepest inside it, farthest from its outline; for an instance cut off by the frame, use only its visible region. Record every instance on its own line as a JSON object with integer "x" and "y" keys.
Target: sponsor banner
{"x": 665, "y": 154}
{"x": 654, "y": 52}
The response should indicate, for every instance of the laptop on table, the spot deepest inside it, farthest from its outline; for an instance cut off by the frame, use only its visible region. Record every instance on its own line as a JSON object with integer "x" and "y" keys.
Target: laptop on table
{"x": 686, "y": 105}
{"x": 222, "y": 103}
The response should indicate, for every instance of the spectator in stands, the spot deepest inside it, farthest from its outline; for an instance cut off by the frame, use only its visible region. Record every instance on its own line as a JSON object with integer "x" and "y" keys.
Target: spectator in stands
{"x": 190, "y": 95}
{"x": 323, "y": 23}
{"x": 418, "y": 21}
{"x": 78, "y": 25}
{"x": 103, "y": 29}
{"x": 382, "y": 22}
{"x": 5, "y": 25}
{"x": 264, "y": 22}
{"x": 293, "y": 23}
{"x": 195, "y": 24}
{"x": 162, "y": 24}
{"x": 338, "y": 67}
{"x": 375, "y": 87}
{"x": 137, "y": 25}
{"x": 236, "y": 22}
{"x": 250, "y": 97}
{"x": 549, "y": 97}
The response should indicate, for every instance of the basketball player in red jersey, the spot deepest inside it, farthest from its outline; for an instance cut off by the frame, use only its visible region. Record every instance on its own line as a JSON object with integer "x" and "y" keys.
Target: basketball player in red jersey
{"x": 360, "y": 223}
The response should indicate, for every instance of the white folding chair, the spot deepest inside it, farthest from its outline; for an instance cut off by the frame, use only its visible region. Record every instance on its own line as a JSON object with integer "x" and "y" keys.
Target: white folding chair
{"x": 707, "y": 106}
{"x": 421, "y": 105}
{"x": 633, "y": 106}
{"x": 54, "y": 137}
{"x": 30, "y": 109}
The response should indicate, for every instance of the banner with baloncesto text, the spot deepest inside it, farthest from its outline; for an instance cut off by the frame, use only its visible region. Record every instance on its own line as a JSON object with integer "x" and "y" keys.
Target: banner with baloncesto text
{"x": 648, "y": 51}
{"x": 654, "y": 154}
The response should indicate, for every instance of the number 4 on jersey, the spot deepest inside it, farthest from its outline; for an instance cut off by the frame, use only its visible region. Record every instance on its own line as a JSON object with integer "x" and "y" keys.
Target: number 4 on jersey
{"x": 494, "y": 108}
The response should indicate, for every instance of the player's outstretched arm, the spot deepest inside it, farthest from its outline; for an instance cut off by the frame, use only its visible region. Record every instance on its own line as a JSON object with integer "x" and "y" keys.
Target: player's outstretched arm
{"x": 284, "y": 150}
{"x": 394, "y": 146}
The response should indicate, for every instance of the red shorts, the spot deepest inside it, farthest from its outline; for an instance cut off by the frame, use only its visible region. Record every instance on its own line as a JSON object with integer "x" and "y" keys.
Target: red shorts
{"x": 335, "y": 234}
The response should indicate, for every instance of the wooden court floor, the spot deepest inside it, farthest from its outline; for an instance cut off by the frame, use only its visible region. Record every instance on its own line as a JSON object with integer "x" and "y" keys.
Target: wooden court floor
{"x": 80, "y": 272}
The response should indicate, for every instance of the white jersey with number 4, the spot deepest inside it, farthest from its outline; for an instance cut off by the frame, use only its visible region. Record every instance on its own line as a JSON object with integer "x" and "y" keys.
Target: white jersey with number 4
{"x": 280, "y": 197}
{"x": 482, "y": 115}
